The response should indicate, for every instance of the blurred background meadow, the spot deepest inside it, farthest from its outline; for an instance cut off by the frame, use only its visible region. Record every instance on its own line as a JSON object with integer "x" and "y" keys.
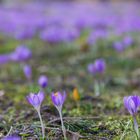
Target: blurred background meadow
{"x": 89, "y": 49}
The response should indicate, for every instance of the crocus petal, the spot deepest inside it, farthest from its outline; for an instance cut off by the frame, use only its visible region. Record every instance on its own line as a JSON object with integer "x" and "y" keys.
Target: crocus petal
{"x": 41, "y": 96}
{"x": 30, "y": 100}
{"x": 36, "y": 101}
{"x": 64, "y": 96}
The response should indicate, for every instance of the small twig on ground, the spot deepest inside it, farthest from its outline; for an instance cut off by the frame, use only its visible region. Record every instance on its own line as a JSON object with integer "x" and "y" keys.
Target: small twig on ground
{"x": 73, "y": 118}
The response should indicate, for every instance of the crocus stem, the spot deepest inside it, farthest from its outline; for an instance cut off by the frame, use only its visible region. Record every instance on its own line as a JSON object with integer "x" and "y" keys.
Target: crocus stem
{"x": 136, "y": 127}
{"x": 62, "y": 124}
{"x": 42, "y": 125}
{"x": 97, "y": 88}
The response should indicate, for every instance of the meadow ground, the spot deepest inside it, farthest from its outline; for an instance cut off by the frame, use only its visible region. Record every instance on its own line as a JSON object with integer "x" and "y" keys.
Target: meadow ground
{"x": 65, "y": 65}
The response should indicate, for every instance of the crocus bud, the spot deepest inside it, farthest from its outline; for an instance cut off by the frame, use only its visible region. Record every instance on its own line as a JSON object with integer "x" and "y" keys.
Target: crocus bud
{"x": 21, "y": 53}
{"x": 36, "y": 99}
{"x": 58, "y": 99}
{"x": 43, "y": 81}
{"x": 98, "y": 66}
{"x": 27, "y": 71}
{"x": 11, "y": 138}
{"x": 132, "y": 104}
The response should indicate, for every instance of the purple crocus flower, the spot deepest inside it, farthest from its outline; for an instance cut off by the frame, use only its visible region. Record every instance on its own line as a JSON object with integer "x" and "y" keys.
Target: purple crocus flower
{"x": 21, "y": 53}
{"x": 43, "y": 81}
{"x": 132, "y": 104}
{"x": 58, "y": 99}
{"x": 36, "y": 99}
{"x": 98, "y": 66}
{"x": 27, "y": 71}
{"x": 11, "y": 138}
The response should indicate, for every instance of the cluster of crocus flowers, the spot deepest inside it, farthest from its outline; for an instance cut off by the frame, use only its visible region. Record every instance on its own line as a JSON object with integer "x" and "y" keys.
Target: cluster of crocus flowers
{"x": 96, "y": 69}
{"x": 121, "y": 45}
{"x": 132, "y": 104}
{"x": 21, "y": 54}
{"x": 58, "y": 99}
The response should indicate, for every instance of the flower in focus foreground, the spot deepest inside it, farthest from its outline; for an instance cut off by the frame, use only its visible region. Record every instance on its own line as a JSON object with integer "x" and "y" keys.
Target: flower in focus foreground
{"x": 36, "y": 99}
{"x": 132, "y": 104}
{"x": 58, "y": 99}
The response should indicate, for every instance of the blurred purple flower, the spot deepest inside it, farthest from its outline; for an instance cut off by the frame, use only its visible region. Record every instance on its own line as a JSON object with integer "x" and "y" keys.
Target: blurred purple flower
{"x": 43, "y": 81}
{"x": 21, "y": 53}
{"x": 36, "y": 99}
{"x": 56, "y": 34}
{"x": 27, "y": 33}
{"x": 91, "y": 68}
{"x": 128, "y": 41}
{"x": 132, "y": 104}
{"x": 98, "y": 66}
{"x": 118, "y": 46}
{"x": 58, "y": 99}
{"x": 11, "y": 138}
{"x": 27, "y": 71}
{"x": 4, "y": 58}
